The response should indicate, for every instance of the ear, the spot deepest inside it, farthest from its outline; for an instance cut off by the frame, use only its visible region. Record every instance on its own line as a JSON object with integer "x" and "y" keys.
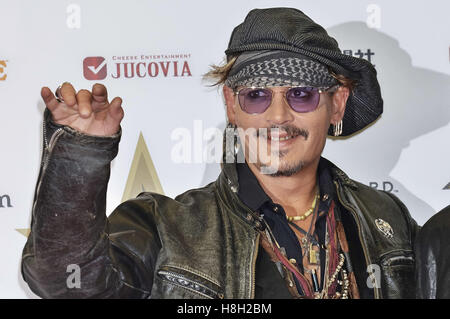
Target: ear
{"x": 228, "y": 94}
{"x": 339, "y": 101}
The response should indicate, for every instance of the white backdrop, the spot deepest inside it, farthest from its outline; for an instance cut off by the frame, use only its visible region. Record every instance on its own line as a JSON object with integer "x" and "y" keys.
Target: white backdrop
{"x": 44, "y": 43}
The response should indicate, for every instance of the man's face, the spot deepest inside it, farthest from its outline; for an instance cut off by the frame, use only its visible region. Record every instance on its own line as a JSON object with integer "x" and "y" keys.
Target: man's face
{"x": 307, "y": 131}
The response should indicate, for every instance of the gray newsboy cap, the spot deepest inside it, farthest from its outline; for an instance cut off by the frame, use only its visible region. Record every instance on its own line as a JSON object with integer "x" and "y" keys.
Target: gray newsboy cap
{"x": 291, "y": 30}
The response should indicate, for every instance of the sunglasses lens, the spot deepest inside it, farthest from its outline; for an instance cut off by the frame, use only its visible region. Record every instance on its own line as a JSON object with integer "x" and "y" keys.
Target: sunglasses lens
{"x": 255, "y": 101}
{"x": 303, "y": 99}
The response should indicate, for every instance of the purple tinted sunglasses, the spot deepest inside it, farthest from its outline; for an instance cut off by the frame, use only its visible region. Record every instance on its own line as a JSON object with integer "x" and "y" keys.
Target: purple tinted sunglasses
{"x": 256, "y": 100}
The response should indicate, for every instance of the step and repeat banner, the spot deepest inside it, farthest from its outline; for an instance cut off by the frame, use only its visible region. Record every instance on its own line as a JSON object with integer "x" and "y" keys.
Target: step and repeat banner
{"x": 153, "y": 54}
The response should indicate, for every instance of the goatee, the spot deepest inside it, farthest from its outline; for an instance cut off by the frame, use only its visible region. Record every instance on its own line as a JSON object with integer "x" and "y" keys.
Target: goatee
{"x": 285, "y": 170}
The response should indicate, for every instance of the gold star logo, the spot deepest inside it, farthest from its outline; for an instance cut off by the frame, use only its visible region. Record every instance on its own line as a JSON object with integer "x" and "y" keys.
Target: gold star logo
{"x": 142, "y": 176}
{"x": 23, "y": 231}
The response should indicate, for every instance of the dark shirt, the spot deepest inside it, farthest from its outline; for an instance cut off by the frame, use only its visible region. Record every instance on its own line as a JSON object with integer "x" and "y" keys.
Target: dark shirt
{"x": 269, "y": 283}
{"x": 252, "y": 194}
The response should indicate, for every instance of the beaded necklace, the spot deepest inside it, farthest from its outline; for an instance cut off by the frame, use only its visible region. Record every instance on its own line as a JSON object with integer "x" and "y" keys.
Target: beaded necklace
{"x": 336, "y": 282}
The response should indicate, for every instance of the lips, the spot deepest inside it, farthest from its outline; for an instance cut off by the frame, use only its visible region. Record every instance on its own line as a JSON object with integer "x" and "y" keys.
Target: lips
{"x": 281, "y": 138}
{"x": 283, "y": 134}
{"x": 279, "y": 135}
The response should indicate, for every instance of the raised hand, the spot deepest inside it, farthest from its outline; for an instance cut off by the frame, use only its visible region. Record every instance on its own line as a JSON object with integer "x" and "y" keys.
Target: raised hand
{"x": 85, "y": 111}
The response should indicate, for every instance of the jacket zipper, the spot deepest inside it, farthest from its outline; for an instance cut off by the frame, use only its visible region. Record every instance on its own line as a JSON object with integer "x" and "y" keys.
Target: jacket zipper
{"x": 51, "y": 144}
{"x": 389, "y": 261}
{"x": 366, "y": 255}
{"x": 190, "y": 284}
{"x": 48, "y": 149}
{"x": 253, "y": 266}
{"x": 255, "y": 249}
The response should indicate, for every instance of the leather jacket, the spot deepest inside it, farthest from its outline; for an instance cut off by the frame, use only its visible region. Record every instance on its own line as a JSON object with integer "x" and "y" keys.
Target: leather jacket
{"x": 202, "y": 244}
{"x": 433, "y": 257}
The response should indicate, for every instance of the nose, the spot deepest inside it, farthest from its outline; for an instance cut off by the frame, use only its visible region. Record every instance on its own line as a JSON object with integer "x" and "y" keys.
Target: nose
{"x": 279, "y": 112}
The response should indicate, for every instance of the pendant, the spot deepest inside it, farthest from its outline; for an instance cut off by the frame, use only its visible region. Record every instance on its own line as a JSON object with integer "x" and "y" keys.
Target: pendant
{"x": 315, "y": 281}
{"x": 313, "y": 259}
{"x": 304, "y": 242}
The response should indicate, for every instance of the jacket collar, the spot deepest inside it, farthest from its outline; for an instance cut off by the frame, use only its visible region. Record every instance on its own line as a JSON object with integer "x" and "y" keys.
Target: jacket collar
{"x": 228, "y": 187}
{"x": 229, "y": 170}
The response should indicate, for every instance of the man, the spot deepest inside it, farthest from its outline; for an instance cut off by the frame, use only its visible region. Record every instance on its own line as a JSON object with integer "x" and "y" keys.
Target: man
{"x": 433, "y": 258}
{"x": 283, "y": 223}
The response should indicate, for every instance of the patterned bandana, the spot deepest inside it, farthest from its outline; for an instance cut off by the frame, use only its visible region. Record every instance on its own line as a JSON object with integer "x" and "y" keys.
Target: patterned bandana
{"x": 278, "y": 68}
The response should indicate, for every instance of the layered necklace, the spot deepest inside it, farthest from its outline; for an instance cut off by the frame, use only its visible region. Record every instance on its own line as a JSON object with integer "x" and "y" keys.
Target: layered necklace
{"x": 336, "y": 282}
{"x": 308, "y": 212}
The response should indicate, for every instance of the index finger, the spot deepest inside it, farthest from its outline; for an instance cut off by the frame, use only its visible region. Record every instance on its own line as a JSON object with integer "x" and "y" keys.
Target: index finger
{"x": 68, "y": 94}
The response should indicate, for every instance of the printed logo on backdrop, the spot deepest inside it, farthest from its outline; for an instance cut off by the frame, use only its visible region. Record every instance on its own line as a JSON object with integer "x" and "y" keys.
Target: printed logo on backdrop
{"x": 142, "y": 176}
{"x": 137, "y": 66}
{"x": 447, "y": 186}
{"x": 3, "y": 70}
{"x": 5, "y": 201}
{"x": 384, "y": 186}
{"x": 94, "y": 68}
{"x": 366, "y": 54}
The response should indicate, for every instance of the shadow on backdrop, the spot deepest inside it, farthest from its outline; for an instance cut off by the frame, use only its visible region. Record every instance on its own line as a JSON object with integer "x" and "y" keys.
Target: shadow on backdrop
{"x": 416, "y": 102}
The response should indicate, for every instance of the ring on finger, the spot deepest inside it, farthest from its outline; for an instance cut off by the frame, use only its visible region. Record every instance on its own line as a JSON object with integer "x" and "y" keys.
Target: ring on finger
{"x": 58, "y": 96}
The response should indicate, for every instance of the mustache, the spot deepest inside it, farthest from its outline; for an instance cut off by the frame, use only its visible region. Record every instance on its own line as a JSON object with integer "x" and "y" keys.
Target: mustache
{"x": 288, "y": 129}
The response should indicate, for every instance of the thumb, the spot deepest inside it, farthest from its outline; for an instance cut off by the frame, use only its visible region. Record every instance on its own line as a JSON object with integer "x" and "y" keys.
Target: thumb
{"x": 49, "y": 98}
